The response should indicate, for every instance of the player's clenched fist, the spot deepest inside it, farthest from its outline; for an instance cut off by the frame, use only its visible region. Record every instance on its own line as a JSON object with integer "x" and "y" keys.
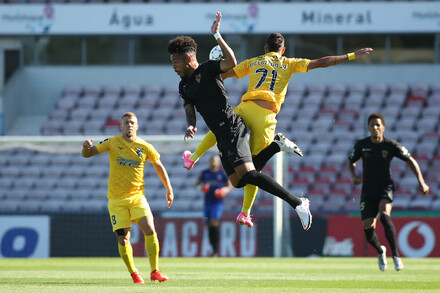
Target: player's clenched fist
{"x": 88, "y": 143}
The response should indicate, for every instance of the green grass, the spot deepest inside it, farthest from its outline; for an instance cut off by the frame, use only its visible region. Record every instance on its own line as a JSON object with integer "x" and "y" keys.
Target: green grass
{"x": 220, "y": 275}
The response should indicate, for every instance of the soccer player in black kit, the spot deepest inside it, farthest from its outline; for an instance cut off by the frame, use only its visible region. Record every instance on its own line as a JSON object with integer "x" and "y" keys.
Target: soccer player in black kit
{"x": 377, "y": 152}
{"x": 202, "y": 88}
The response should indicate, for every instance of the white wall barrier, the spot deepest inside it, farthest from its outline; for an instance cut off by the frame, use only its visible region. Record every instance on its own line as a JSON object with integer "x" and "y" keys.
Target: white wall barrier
{"x": 62, "y": 19}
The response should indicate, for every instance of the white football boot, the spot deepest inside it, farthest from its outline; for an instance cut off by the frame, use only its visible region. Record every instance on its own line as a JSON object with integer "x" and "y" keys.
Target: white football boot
{"x": 287, "y": 145}
{"x": 303, "y": 211}
{"x": 383, "y": 259}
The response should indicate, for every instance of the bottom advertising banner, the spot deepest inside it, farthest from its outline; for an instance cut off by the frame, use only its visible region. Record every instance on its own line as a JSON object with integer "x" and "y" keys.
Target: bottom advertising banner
{"x": 189, "y": 238}
{"x": 416, "y": 237}
{"x": 24, "y": 236}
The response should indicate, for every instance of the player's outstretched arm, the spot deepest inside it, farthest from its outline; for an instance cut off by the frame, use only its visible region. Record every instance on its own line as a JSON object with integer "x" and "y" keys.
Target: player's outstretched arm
{"x": 229, "y": 60}
{"x": 163, "y": 175}
{"x": 191, "y": 120}
{"x": 335, "y": 60}
{"x": 415, "y": 168}
{"x": 89, "y": 150}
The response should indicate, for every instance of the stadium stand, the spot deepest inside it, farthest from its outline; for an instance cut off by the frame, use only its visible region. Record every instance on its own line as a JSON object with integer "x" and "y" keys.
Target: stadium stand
{"x": 323, "y": 120}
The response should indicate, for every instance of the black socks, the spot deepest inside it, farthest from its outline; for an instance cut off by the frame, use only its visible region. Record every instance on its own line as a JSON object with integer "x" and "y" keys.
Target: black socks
{"x": 390, "y": 233}
{"x": 213, "y": 238}
{"x": 270, "y": 185}
{"x": 372, "y": 238}
{"x": 264, "y": 156}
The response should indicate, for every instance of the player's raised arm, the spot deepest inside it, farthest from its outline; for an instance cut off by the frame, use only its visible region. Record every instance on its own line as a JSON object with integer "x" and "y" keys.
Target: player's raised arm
{"x": 89, "y": 150}
{"x": 335, "y": 60}
{"x": 229, "y": 60}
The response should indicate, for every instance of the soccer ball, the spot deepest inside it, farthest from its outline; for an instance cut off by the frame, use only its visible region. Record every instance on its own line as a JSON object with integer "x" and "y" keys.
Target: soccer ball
{"x": 216, "y": 53}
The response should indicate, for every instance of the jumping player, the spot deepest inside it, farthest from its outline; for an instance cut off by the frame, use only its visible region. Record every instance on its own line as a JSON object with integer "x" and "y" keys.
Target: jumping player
{"x": 126, "y": 201}
{"x": 269, "y": 76}
{"x": 203, "y": 88}
{"x": 376, "y": 152}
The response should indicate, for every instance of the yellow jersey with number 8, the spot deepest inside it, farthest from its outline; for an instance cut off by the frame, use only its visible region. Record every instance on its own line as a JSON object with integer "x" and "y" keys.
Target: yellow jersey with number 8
{"x": 269, "y": 76}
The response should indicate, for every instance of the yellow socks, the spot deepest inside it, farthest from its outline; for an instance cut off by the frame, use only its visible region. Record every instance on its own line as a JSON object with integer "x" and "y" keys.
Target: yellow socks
{"x": 152, "y": 248}
{"x": 250, "y": 191}
{"x": 126, "y": 252}
{"x": 208, "y": 142}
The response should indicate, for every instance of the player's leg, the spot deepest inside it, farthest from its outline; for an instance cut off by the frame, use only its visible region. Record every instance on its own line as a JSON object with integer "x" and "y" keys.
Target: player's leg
{"x": 263, "y": 142}
{"x": 120, "y": 219}
{"x": 235, "y": 152}
{"x": 246, "y": 174}
{"x": 190, "y": 159}
{"x": 250, "y": 193}
{"x": 143, "y": 216}
{"x": 385, "y": 207}
{"x": 261, "y": 124}
{"x": 126, "y": 253}
{"x": 369, "y": 210}
{"x": 215, "y": 214}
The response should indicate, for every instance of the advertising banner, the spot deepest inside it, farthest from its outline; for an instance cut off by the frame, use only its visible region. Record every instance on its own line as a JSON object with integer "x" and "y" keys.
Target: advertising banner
{"x": 82, "y": 235}
{"x": 416, "y": 237}
{"x": 238, "y": 18}
{"x": 189, "y": 238}
{"x": 24, "y": 236}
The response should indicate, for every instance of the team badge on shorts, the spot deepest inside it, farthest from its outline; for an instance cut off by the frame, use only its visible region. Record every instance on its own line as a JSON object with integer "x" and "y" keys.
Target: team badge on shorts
{"x": 198, "y": 77}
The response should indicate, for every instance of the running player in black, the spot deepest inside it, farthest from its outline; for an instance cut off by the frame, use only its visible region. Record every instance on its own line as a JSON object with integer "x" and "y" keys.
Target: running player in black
{"x": 202, "y": 88}
{"x": 377, "y": 152}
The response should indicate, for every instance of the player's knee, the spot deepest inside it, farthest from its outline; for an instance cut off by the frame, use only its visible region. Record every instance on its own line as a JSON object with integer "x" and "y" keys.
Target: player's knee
{"x": 248, "y": 178}
{"x": 238, "y": 184}
{"x": 369, "y": 224}
{"x": 123, "y": 238}
{"x": 385, "y": 219}
{"x": 149, "y": 231}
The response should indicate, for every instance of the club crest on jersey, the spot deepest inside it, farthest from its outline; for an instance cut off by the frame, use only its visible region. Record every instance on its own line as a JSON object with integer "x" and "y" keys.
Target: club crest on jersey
{"x": 139, "y": 152}
{"x": 384, "y": 154}
{"x": 198, "y": 78}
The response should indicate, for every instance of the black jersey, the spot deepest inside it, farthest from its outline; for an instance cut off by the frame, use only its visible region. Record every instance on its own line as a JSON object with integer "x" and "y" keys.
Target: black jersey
{"x": 376, "y": 159}
{"x": 206, "y": 91}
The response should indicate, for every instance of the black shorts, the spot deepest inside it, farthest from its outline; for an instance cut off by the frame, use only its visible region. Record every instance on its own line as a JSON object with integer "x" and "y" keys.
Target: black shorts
{"x": 233, "y": 144}
{"x": 370, "y": 199}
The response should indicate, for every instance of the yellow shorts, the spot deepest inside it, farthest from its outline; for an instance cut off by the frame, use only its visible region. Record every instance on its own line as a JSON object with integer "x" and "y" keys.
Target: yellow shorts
{"x": 124, "y": 211}
{"x": 260, "y": 122}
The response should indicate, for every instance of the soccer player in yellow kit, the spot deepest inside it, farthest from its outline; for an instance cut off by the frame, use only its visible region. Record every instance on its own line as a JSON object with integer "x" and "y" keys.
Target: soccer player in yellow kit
{"x": 269, "y": 75}
{"x": 126, "y": 201}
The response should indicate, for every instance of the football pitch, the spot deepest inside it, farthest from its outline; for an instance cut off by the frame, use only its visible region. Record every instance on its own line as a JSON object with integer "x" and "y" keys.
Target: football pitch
{"x": 220, "y": 275}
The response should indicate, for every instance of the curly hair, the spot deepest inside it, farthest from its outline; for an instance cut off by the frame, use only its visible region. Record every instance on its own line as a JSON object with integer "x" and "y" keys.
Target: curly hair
{"x": 376, "y": 116}
{"x": 182, "y": 44}
{"x": 275, "y": 42}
